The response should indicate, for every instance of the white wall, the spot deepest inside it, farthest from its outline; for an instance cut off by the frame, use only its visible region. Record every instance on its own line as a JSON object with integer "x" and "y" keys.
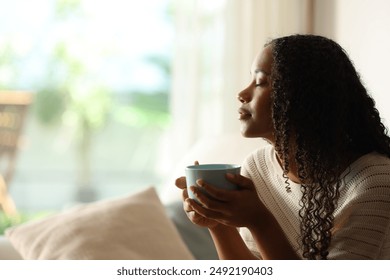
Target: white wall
{"x": 362, "y": 27}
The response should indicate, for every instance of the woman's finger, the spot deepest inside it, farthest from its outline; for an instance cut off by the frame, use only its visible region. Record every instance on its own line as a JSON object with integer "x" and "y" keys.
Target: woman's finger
{"x": 215, "y": 192}
{"x": 202, "y": 211}
{"x": 181, "y": 182}
{"x": 239, "y": 180}
{"x": 186, "y": 206}
{"x": 184, "y": 194}
{"x": 205, "y": 200}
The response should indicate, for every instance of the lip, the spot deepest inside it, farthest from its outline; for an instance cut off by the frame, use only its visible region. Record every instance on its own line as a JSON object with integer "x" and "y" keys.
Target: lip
{"x": 244, "y": 114}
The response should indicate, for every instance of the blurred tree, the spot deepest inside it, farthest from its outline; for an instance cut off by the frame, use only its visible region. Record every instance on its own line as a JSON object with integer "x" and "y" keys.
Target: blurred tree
{"x": 72, "y": 93}
{"x": 74, "y": 97}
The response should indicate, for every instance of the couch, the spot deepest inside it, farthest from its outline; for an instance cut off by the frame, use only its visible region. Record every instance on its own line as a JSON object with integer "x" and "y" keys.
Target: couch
{"x": 143, "y": 225}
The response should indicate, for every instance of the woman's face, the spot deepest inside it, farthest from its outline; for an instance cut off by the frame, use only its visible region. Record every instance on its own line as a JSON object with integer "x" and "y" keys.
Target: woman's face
{"x": 255, "y": 111}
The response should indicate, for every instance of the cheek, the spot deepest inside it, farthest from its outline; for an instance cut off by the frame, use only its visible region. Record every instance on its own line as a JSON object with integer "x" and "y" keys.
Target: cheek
{"x": 263, "y": 114}
{"x": 263, "y": 106}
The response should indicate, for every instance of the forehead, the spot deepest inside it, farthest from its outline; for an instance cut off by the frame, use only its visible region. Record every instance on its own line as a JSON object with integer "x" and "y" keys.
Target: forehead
{"x": 263, "y": 62}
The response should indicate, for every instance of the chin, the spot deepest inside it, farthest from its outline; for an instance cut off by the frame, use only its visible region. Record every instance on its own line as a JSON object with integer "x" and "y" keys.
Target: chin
{"x": 253, "y": 134}
{"x": 248, "y": 134}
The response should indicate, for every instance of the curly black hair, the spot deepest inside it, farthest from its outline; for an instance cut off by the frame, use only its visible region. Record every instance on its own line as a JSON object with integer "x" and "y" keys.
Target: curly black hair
{"x": 324, "y": 118}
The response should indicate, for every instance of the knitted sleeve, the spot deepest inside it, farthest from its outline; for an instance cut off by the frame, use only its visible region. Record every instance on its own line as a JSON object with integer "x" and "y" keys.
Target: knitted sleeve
{"x": 244, "y": 232}
{"x": 362, "y": 220}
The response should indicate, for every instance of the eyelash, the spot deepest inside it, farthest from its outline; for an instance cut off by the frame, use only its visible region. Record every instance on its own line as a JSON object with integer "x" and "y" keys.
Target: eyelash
{"x": 260, "y": 84}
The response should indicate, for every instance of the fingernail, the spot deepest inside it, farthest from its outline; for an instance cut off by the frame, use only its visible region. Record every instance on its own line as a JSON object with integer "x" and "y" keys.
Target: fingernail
{"x": 200, "y": 182}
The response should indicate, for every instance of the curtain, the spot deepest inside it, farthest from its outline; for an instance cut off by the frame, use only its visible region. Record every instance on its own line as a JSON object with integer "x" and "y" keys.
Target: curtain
{"x": 215, "y": 44}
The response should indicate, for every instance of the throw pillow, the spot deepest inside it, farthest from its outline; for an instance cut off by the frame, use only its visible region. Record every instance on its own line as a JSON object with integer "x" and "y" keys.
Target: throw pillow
{"x": 135, "y": 227}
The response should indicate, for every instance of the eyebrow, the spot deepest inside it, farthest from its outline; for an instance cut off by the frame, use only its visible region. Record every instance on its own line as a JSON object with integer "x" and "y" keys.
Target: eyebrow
{"x": 261, "y": 71}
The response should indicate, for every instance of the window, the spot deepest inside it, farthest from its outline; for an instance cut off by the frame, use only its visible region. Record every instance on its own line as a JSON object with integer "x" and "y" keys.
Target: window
{"x": 100, "y": 73}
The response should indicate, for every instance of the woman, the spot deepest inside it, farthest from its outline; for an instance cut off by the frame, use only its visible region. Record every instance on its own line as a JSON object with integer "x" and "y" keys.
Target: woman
{"x": 321, "y": 189}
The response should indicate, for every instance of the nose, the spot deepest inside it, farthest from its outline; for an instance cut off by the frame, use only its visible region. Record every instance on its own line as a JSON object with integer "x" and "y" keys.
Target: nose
{"x": 244, "y": 96}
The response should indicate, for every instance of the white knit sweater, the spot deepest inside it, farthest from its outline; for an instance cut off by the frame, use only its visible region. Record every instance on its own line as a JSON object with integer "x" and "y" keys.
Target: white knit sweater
{"x": 362, "y": 218}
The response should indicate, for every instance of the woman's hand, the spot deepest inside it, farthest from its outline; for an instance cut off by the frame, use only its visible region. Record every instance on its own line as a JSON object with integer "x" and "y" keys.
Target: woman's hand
{"x": 187, "y": 202}
{"x": 237, "y": 208}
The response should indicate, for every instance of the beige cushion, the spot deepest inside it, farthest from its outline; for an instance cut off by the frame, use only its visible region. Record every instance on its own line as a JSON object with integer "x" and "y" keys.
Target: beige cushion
{"x": 7, "y": 251}
{"x": 134, "y": 227}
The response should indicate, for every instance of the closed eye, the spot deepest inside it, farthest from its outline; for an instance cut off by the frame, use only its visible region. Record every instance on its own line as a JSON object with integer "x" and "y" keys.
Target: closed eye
{"x": 260, "y": 84}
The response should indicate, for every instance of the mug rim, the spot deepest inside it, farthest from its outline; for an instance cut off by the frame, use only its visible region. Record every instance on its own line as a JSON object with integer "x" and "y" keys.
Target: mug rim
{"x": 213, "y": 166}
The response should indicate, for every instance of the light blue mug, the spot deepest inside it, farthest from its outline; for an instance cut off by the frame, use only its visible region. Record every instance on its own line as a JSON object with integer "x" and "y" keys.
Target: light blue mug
{"x": 213, "y": 174}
